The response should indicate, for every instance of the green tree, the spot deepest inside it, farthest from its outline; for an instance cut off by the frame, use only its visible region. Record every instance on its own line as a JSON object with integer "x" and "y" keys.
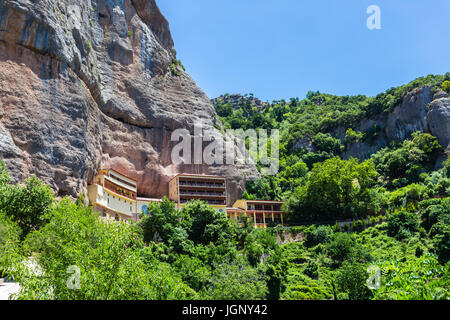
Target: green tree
{"x": 402, "y": 225}
{"x": 167, "y": 224}
{"x": 421, "y": 279}
{"x": 326, "y": 143}
{"x": 236, "y": 281}
{"x": 446, "y": 86}
{"x": 26, "y": 205}
{"x": 208, "y": 225}
{"x": 106, "y": 254}
{"x": 440, "y": 233}
{"x": 352, "y": 279}
{"x": 341, "y": 248}
{"x": 321, "y": 234}
{"x": 335, "y": 190}
{"x": 9, "y": 244}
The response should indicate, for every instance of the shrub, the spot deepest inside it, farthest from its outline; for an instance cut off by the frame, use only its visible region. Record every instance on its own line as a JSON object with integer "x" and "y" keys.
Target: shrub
{"x": 9, "y": 239}
{"x": 312, "y": 270}
{"x": 340, "y": 248}
{"x": 320, "y": 235}
{"x": 446, "y": 86}
{"x": 419, "y": 279}
{"x": 441, "y": 241}
{"x": 431, "y": 215}
{"x": 352, "y": 280}
{"x": 402, "y": 225}
{"x": 26, "y": 205}
{"x": 236, "y": 282}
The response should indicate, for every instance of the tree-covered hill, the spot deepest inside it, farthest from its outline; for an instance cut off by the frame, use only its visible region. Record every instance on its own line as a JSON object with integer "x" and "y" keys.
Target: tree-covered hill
{"x": 62, "y": 250}
{"x": 373, "y": 227}
{"x": 341, "y": 157}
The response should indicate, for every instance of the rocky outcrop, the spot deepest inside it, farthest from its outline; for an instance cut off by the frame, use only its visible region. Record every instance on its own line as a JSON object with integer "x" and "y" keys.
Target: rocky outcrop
{"x": 420, "y": 110}
{"x": 85, "y": 83}
{"x": 439, "y": 118}
{"x": 150, "y": 14}
{"x": 410, "y": 115}
{"x": 238, "y": 101}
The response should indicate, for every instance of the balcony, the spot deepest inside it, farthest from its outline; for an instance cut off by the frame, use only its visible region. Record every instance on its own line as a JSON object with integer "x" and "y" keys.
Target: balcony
{"x": 120, "y": 184}
{"x": 202, "y": 194}
{"x": 210, "y": 202}
{"x": 202, "y": 185}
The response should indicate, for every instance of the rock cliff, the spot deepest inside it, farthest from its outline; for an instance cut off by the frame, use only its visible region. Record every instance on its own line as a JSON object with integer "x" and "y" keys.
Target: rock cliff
{"x": 420, "y": 110}
{"x": 85, "y": 83}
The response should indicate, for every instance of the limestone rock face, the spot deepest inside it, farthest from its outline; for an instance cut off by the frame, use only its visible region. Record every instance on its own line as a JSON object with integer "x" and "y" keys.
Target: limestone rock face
{"x": 420, "y": 110}
{"x": 439, "y": 119}
{"x": 410, "y": 115}
{"x": 85, "y": 83}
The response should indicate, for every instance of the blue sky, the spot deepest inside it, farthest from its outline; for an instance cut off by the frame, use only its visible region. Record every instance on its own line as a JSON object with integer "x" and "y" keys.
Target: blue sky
{"x": 284, "y": 48}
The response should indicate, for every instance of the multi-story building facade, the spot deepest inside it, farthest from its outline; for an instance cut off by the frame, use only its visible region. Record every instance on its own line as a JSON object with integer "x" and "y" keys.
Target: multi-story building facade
{"x": 114, "y": 195}
{"x": 211, "y": 189}
{"x": 262, "y": 213}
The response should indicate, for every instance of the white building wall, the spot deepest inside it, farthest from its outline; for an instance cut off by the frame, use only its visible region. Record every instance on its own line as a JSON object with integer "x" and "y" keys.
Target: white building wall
{"x": 99, "y": 195}
{"x": 119, "y": 204}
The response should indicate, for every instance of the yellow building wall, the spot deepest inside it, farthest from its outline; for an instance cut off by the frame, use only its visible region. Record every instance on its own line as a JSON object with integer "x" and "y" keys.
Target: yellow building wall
{"x": 241, "y": 204}
{"x": 173, "y": 189}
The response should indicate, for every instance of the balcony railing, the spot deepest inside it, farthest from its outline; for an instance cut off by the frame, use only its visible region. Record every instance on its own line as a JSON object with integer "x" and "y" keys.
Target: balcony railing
{"x": 211, "y": 202}
{"x": 201, "y": 184}
{"x": 206, "y": 194}
{"x": 120, "y": 184}
{"x": 260, "y": 208}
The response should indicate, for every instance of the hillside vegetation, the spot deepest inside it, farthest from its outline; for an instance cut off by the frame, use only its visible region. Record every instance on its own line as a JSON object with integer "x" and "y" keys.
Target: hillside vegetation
{"x": 396, "y": 204}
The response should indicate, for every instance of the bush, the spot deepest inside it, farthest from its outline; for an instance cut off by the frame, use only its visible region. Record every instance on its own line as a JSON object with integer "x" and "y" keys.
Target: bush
{"x": 341, "y": 248}
{"x": 419, "y": 279}
{"x": 446, "y": 86}
{"x": 26, "y": 205}
{"x": 166, "y": 224}
{"x": 9, "y": 240}
{"x": 402, "y": 225}
{"x": 359, "y": 226}
{"x": 320, "y": 235}
{"x": 336, "y": 189}
{"x": 312, "y": 270}
{"x": 352, "y": 280}
{"x": 441, "y": 241}
{"x": 208, "y": 225}
{"x": 236, "y": 281}
{"x": 431, "y": 215}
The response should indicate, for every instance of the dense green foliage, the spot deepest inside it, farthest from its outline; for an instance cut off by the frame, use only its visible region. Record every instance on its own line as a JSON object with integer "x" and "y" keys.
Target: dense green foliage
{"x": 26, "y": 205}
{"x": 197, "y": 253}
{"x": 398, "y": 184}
{"x": 335, "y": 189}
{"x": 349, "y": 220}
{"x": 317, "y": 185}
